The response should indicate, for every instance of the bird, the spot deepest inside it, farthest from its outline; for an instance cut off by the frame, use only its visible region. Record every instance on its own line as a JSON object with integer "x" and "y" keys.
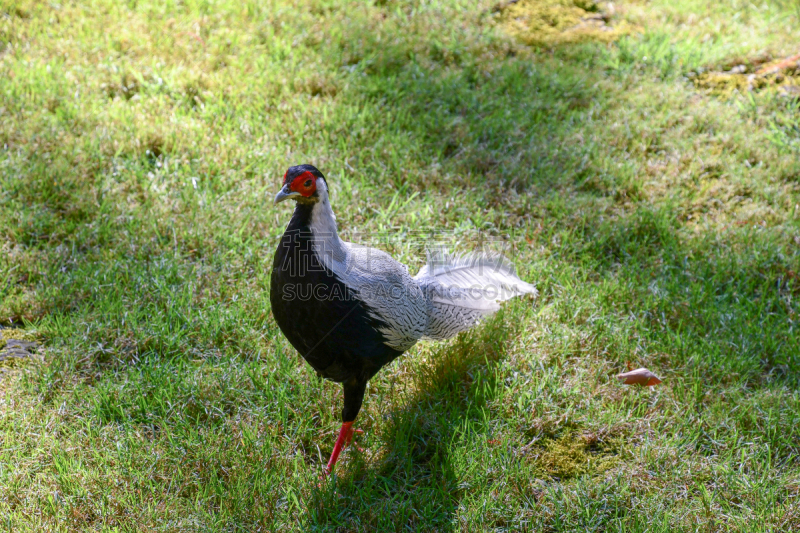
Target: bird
{"x": 350, "y": 310}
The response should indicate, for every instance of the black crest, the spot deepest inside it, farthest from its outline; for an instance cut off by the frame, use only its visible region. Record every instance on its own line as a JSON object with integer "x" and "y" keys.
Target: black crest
{"x": 295, "y": 171}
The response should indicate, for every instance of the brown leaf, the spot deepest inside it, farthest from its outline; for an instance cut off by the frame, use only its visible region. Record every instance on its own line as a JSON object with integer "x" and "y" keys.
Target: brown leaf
{"x": 640, "y": 376}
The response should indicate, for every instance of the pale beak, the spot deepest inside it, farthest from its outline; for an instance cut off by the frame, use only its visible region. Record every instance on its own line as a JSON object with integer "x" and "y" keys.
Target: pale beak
{"x": 284, "y": 194}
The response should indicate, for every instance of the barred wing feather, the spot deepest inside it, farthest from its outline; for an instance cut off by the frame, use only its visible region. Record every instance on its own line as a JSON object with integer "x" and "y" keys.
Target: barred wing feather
{"x": 463, "y": 289}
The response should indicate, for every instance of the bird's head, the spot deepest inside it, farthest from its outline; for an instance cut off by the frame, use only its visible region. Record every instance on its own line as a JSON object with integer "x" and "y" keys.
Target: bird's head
{"x": 303, "y": 183}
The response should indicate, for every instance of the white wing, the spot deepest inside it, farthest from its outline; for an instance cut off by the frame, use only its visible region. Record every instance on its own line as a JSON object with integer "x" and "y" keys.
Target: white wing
{"x": 463, "y": 289}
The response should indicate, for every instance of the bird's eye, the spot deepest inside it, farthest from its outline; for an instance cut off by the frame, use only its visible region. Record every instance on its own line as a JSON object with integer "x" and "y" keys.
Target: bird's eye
{"x": 307, "y": 184}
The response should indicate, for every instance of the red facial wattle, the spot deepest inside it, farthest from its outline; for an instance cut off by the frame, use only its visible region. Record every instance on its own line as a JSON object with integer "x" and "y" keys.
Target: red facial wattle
{"x": 305, "y": 184}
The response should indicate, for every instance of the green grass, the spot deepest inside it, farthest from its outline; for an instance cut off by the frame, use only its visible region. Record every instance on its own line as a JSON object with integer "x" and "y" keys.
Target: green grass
{"x": 142, "y": 143}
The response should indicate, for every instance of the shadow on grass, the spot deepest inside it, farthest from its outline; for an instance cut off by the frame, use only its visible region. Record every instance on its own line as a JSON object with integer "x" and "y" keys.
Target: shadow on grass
{"x": 525, "y": 137}
{"x": 720, "y": 302}
{"x": 416, "y": 482}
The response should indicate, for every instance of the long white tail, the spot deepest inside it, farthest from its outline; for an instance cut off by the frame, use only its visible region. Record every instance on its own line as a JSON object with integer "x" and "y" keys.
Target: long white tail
{"x": 463, "y": 289}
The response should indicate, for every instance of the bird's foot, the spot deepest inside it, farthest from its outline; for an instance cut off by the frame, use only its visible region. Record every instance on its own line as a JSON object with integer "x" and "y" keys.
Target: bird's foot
{"x": 349, "y": 438}
{"x": 345, "y": 438}
{"x": 350, "y": 434}
{"x": 353, "y": 442}
{"x": 345, "y": 435}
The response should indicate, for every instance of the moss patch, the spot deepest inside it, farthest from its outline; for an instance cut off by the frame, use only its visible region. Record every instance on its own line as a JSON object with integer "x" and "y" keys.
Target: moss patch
{"x": 11, "y": 358}
{"x": 548, "y": 22}
{"x": 784, "y": 77}
{"x": 725, "y": 85}
{"x": 13, "y": 362}
{"x": 18, "y": 334}
{"x": 571, "y": 456}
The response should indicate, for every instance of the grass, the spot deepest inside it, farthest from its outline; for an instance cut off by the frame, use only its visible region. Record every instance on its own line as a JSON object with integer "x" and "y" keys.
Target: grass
{"x": 142, "y": 143}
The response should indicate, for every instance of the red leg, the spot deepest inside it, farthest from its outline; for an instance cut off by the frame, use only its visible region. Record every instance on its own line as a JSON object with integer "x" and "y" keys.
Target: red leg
{"x": 345, "y": 436}
{"x": 353, "y": 396}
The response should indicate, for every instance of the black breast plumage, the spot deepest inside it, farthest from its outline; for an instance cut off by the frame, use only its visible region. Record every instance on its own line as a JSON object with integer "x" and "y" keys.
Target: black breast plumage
{"x": 323, "y": 318}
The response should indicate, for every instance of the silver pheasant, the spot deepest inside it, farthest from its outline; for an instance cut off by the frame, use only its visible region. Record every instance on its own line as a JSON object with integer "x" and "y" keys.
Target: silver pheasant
{"x": 349, "y": 309}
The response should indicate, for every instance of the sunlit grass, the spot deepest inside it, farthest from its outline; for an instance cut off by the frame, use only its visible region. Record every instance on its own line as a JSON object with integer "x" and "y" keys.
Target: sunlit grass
{"x": 142, "y": 144}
